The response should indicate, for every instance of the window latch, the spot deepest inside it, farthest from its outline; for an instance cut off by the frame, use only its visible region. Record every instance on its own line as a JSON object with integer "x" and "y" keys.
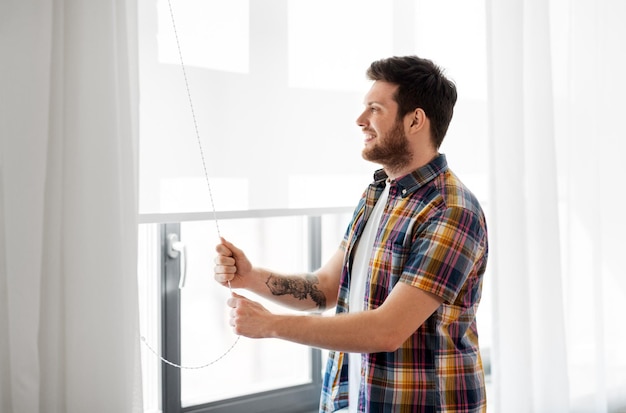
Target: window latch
{"x": 175, "y": 247}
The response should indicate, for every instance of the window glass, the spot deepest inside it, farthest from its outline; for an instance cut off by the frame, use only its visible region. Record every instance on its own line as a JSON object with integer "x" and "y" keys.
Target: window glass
{"x": 331, "y": 43}
{"x": 275, "y": 121}
{"x": 252, "y": 365}
{"x": 203, "y": 26}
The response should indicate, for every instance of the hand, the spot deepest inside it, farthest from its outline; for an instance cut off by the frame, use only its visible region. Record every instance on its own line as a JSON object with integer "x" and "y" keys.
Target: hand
{"x": 231, "y": 265}
{"x": 249, "y": 318}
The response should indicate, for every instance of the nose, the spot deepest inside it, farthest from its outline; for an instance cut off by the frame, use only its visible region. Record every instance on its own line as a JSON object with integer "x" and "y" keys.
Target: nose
{"x": 361, "y": 120}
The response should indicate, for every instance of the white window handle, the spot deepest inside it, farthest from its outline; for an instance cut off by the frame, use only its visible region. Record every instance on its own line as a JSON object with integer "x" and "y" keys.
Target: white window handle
{"x": 174, "y": 248}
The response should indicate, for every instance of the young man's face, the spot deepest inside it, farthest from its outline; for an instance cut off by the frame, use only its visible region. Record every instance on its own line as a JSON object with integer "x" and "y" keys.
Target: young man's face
{"x": 385, "y": 139}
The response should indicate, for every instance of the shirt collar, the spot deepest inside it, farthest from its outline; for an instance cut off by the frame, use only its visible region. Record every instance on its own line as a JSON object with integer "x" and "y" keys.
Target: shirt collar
{"x": 409, "y": 183}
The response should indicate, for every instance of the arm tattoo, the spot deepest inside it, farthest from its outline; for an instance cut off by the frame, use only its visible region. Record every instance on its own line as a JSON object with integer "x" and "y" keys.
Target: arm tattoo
{"x": 299, "y": 287}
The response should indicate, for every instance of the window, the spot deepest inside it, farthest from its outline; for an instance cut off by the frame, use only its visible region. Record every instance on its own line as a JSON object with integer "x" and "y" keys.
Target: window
{"x": 275, "y": 99}
{"x": 272, "y": 373}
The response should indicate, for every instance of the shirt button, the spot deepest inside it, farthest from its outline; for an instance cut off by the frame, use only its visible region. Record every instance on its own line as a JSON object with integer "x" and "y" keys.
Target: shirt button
{"x": 404, "y": 192}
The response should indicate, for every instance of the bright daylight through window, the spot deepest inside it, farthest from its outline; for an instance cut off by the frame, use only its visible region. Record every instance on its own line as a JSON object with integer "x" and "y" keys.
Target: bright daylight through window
{"x": 276, "y": 95}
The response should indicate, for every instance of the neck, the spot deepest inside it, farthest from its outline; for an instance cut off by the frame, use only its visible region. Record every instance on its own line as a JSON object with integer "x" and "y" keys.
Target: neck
{"x": 417, "y": 162}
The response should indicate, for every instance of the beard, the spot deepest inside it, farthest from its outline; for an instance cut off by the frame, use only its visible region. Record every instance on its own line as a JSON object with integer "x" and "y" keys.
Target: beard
{"x": 390, "y": 150}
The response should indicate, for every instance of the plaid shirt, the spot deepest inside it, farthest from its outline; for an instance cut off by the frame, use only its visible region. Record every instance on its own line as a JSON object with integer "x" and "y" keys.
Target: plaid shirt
{"x": 432, "y": 236}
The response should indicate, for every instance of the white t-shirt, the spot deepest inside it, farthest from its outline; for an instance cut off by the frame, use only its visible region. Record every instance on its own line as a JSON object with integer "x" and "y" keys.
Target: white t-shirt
{"x": 360, "y": 265}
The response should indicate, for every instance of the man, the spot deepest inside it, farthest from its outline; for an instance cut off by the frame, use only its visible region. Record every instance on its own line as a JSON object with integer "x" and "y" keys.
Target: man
{"x": 407, "y": 278}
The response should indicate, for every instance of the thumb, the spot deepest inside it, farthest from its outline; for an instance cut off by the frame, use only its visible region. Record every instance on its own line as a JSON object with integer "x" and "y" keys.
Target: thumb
{"x": 234, "y": 299}
{"x": 234, "y": 250}
{"x": 235, "y": 295}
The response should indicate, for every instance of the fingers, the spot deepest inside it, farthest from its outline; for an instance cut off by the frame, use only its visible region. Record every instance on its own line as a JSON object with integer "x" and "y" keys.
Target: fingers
{"x": 224, "y": 273}
{"x": 223, "y": 278}
{"x": 234, "y": 302}
{"x": 231, "y": 265}
{"x": 223, "y": 250}
{"x": 234, "y": 299}
{"x": 225, "y": 265}
{"x": 227, "y": 248}
{"x": 225, "y": 268}
{"x": 248, "y": 318}
{"x": 224, "y": 260}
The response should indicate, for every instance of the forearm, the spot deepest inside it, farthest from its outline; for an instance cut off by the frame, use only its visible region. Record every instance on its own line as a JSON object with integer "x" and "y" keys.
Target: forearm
{"x": 365, "y": 332}
{"x": 379, "y": 330}
{"x": 305, "y": 292}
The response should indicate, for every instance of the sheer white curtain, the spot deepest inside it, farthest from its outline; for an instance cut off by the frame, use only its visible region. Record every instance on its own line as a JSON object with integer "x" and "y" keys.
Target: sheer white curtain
{"x": 68, "y": 207}
{"x": 556, "y": 93}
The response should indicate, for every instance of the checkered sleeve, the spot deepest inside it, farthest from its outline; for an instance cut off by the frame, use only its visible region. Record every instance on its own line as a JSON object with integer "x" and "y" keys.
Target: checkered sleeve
{"x": 444, "y": 252}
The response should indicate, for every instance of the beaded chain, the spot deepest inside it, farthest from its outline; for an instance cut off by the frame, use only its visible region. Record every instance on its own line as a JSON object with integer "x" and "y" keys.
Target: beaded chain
{"x": 206, "y": 176}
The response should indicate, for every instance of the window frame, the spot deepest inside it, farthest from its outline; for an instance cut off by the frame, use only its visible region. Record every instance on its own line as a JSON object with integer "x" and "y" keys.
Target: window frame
{"x": 295, "y": 399}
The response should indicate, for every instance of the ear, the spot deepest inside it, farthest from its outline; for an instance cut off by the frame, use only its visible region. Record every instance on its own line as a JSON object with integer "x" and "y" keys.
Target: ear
{"x": 417, "y": 120}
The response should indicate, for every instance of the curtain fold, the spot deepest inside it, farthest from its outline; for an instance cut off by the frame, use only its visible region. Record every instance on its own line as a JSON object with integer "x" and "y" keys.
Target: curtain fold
{"x": 555, "y": 107}
{"x": 592, "y": 136}
{"x": 69, "y": 190}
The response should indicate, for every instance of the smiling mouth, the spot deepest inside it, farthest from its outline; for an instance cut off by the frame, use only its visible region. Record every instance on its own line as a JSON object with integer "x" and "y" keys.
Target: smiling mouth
{"x": 369, "y": 136}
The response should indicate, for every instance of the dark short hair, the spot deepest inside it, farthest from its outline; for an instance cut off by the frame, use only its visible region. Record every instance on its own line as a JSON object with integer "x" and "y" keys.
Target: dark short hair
{"x": 421, "y": 84}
